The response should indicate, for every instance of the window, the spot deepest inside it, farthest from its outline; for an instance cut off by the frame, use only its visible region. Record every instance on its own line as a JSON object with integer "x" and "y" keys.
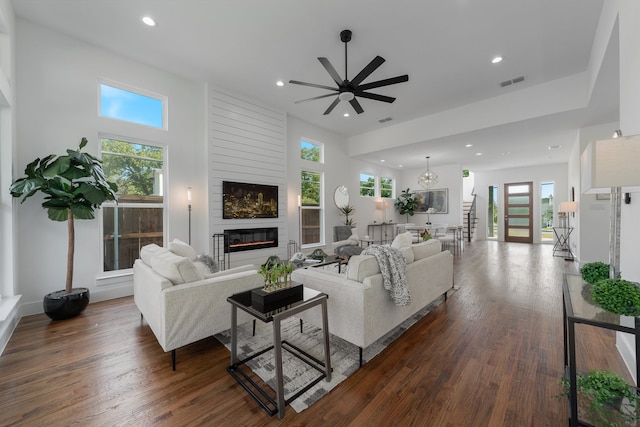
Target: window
{"x": 386, "y": 188}
{"x": 367, "y": 185}
{"x": 129, "y": 106}
{"x": 546, "y": 211}
{"x": 311, "y": 151}
{"x": 138, "y": 217}
{"x": 492, "y": 214}
{"x": 311, "y": 209}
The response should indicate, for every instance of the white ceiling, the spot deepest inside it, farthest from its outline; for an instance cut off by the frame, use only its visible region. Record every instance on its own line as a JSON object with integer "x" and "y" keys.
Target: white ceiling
{"x": 444, "y": 46}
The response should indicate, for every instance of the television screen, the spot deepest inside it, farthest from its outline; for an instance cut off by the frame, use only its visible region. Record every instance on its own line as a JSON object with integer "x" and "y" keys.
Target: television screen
{"x": 243, "y": 200}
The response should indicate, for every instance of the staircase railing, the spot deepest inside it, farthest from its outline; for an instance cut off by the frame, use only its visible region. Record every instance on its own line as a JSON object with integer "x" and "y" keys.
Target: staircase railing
{"x": 471, "y": 218}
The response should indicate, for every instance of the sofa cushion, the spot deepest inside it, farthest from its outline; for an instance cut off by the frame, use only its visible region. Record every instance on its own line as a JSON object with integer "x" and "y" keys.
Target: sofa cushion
{"x": 176, "y": 268}
{"x": 361, "y": 267}
{"x": 403, "y": 240}
{"x": 408, "y": 254}
{"x": 426, "y": 249}
{"x": 181, "y": 248}
{"x": 149, "y": 251}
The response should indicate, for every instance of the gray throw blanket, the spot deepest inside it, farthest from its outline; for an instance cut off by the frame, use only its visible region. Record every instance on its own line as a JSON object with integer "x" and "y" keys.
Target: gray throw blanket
{"x": 393, "y": 268}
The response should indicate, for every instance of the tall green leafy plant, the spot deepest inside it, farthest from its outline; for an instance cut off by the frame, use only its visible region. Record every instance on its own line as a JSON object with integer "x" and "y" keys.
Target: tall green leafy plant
{"x": 406, "y": 203}
{"x": 347, "y": 210}
{"x": 74, "y": 186}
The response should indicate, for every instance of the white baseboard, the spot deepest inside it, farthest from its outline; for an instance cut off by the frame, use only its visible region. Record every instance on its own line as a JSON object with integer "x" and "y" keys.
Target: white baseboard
{"x": 10, "y": 316}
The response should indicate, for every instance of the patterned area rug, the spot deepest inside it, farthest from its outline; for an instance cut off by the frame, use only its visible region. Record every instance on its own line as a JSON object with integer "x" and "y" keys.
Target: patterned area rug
{"x": 344, "y": 355}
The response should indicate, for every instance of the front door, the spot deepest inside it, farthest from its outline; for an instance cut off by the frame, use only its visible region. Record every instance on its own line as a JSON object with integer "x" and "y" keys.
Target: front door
{"x": 518, "y": 212}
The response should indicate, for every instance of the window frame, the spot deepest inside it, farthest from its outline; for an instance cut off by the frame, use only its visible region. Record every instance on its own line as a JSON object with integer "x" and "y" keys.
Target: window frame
{"x": 392, "y": 189}
{"x": 318, "y": 144}
{"x": 164, "y": 205}
{"x": 360, "y": 187}
{"x": 138, "y": 91}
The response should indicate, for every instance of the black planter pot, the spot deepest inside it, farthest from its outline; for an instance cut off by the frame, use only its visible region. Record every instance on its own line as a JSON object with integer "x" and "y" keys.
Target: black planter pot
{"x": 60, "y": 305}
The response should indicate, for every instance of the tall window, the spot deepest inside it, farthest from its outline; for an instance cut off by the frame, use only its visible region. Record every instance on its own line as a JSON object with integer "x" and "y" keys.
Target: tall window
{"x": 311, "y": 151}
{"x": 546, "y": 210}
{"x": 138, "y": 217}
{"x": 386, "y": 188}
{"x": 311, "y": 221}
{"x": 134, "y": 106}
{"x": 492, "y": 214}
{"x": 367, "y": 185}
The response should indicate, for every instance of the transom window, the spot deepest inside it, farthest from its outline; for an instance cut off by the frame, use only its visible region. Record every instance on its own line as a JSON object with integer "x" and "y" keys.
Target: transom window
{"x": 132, "y": 105}
{"x": 138, "y": 217}
{"x": 311, "y": 151}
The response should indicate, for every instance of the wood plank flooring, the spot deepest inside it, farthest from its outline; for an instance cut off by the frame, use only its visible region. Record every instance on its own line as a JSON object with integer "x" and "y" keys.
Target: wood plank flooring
{"x": 490, "y": 356}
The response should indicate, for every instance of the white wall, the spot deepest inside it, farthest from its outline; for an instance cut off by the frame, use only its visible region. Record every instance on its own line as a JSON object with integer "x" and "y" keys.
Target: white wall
{"x": 57, "y": 105}
{"x": 556, "y": 173}
{"x": 449, "y": 178}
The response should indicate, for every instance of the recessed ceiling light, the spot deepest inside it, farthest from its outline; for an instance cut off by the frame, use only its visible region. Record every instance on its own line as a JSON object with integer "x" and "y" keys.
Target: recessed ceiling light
{"x": 149, "y": 21}
{"x": 478, "y": 154}
{"x": 496, "y": 60}
{"x": 280, "y": 83}
{"x": 400, "y": 166}
{"x": 382, "y": 161}
{"x": 469, "y": 145}
{"x": 554, "y": 147}
{"x": 346, "y": 114}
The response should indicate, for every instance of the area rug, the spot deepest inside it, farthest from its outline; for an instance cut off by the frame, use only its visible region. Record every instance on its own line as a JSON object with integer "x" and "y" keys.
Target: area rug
{"x": 344, "y": 355}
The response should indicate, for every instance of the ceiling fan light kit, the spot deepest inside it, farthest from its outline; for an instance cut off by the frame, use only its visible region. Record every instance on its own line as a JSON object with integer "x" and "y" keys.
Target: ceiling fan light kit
{"x": 349, "y": 90}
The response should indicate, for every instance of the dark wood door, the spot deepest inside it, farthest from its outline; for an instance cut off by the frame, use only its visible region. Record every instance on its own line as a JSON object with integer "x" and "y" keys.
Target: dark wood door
{"x": 518, "y": 212}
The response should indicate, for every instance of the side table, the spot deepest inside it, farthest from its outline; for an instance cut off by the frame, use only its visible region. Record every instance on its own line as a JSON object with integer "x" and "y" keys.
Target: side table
{"x": 562, "y": 246}
{"x": 242, "y": 301}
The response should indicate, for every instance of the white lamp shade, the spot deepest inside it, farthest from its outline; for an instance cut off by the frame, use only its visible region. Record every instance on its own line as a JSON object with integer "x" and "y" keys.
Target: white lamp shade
{"x": 611, "y": 163}
{"x": 568, "y": 206}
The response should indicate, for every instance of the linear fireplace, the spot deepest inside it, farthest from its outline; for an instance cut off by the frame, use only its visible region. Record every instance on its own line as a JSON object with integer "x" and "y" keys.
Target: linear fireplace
{"x": 247, "y": 239}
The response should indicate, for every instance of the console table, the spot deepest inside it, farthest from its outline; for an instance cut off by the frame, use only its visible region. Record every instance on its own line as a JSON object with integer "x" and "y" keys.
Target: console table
{"x": 242, "y": 301}
{"x": 382, "y": 231}
{"x": 576, "y": 309}
{"x": 562, "y": 246}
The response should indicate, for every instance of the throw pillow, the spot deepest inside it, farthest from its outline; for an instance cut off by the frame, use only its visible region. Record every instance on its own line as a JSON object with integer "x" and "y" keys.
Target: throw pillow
{"x": 181, "y": 248}
{"x": 402, "y": 240}
{"x": 176, "y": 268}
{"x": 149, "y": 251}
{"x": 209, "y": 263}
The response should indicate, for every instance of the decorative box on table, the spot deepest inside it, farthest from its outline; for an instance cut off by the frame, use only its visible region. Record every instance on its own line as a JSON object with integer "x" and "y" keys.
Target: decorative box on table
{"x": 270, "y": 300}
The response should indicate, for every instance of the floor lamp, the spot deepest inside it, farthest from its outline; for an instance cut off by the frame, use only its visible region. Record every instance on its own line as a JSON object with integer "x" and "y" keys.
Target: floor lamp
{"x": 189, "y": 200}
{"x": 607, "y": 166}
{"x": 299, "y": 223}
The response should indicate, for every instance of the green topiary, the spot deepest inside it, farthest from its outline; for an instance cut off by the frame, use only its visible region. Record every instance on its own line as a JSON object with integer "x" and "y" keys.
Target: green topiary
{"x": 617, "y": 296}
{"x": 593, "y": 272}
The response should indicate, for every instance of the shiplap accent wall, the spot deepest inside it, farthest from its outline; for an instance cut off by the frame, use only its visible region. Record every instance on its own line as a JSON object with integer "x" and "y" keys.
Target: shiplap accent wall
{"x": 247, "y": 143}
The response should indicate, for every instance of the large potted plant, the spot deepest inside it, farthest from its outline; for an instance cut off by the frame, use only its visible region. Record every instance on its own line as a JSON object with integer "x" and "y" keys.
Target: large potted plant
{"x": 406, "y": 203}
{"x": 74, "y": 186}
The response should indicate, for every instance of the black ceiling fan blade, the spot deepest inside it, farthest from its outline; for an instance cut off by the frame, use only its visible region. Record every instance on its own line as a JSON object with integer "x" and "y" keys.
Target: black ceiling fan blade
{"x": 332, "y": 106}
{"x": 356, "y": 106}
{"x": 315, "y": 97}
{"x": 375, "y": 96}
{"x": 370, "y": 68}
{"x": 332, "y": 71}
{"x": 295, "y": 82}
{"x": 385, "y": 82}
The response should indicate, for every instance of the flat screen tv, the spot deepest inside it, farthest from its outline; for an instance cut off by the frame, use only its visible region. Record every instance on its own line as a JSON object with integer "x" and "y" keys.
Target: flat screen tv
{"x": 242, "y": 200}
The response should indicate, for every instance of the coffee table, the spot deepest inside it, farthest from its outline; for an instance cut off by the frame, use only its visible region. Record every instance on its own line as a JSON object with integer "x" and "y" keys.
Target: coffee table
{"x": 310, "y": 299}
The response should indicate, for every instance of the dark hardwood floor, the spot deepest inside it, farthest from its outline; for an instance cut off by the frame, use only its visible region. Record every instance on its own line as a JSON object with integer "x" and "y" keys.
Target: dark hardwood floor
{"x": 489, "y": 356}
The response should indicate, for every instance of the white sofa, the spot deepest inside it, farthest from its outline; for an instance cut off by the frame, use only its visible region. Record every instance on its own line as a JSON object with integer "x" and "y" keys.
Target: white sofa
{"x": 181, "y": 300}
{"x": 360, "y": 310}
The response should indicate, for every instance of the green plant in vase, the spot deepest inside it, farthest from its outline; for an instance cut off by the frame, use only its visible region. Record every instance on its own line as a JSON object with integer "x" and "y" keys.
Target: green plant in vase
{"x": 605, "y": 392}
{"x": 617, "y": 296}
{"x": 347, "y": 210}
{"x": 406, "y": 203}
{"x": 593, "y": 272}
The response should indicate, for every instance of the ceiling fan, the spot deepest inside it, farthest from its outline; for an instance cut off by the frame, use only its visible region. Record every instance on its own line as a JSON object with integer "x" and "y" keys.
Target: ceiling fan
{"x": 349, "y": 90}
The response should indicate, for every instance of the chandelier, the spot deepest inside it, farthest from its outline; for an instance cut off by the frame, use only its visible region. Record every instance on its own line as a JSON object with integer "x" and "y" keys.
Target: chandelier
{"x": 427, "y": 178}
